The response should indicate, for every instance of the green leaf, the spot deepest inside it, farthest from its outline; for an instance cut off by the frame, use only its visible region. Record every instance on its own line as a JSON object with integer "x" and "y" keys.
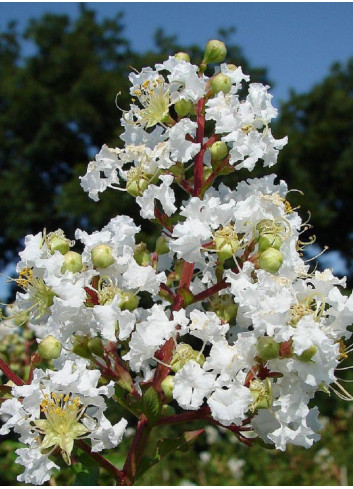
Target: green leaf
{"x": 151, "y": 405}
{"x": 165, "y": 446}
{"x": 87, "y": 476}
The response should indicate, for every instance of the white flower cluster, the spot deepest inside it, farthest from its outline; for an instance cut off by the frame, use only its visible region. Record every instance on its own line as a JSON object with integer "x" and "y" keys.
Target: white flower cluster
{"x": 238, "y": 322}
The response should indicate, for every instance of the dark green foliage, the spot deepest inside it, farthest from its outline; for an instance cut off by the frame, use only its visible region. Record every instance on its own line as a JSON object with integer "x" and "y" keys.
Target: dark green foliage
{"x": 319, "y": 157}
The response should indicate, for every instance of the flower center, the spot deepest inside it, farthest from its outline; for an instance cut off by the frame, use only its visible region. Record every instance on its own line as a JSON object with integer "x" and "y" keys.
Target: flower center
{"x": 154, "y": 98}
{"x": 41, "y": 296}
{"x": 61, "y": 425}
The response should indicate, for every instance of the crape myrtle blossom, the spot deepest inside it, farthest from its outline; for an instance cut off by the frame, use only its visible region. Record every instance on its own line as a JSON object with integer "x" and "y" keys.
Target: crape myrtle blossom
{"x": 221, "y": 319}
{"x": 56, "y": 409}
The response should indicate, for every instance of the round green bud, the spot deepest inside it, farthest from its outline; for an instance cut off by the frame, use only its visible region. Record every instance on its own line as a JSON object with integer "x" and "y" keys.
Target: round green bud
{"x": 221, "y": 83}
{"x": 183, "y": 107}
{"x": 162, "y": 245}
{"x": 270, "y": 240}
{"x": 218, "y": 150}
{"x": 215, "y": 52}
{"x": 101, "y": 256}
{"x": 307, "y": 354}
{"x": 58, "y": 242}
{"x": 263, "y": 225}
{"x": 137, "y": 186}
{"x": 167, "y": 387}
{"x": 182, "y": 56}
{"x": 72, "y": 262}
{"x": 271, "y": 260}
{"x": 267, "y": 348}
{"x": 49, "y": 348}
{"x": 142, "y": 255}
{"x": 129, "y": 301}
{"x": 95, "y": 345}
{"x": 183, "y": 354}
{"x": 80, "y": 347}
{"x": 231, "y": 67}
{"x": 226, "y": 242}
{"x": 261, "y": 393}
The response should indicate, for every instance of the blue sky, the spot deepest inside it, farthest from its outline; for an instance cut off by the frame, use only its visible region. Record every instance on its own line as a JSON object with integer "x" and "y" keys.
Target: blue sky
{"x": 297, "y": 42}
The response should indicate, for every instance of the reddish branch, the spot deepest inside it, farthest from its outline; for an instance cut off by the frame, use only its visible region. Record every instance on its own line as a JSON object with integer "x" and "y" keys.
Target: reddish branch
{"x": 10, "y": 374}
{"x": 198, "y": 167}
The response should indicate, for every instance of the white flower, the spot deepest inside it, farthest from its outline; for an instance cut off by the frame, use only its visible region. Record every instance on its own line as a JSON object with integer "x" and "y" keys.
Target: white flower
{"x": 180, "y": 148}
{"x": 191, "y": 385}
{"x": 230, "y": 405}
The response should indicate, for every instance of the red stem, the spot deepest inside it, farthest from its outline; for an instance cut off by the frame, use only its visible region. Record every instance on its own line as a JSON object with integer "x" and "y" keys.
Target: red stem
{"x": 136, "y": 451}
{"x": 185, "y": 417}
{"x": 212, "y": 290}
{"x": 10, "y": 374}
{"x": 103, "y": 462}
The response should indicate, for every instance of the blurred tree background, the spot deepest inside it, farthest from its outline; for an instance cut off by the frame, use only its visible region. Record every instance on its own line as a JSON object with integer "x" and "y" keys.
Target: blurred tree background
{"x": 57, "y": 108}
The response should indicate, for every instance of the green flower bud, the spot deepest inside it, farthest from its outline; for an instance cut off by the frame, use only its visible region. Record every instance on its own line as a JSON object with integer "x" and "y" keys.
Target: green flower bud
{"x": 215, "y": 52}
{"x": 167, "y": 387}
{"x": 57, "y": 241}
{"x": 218, "y": 150}
{"x": 72, "y": 262}
{"x": 271, "y": 260}
{"x": 101, "y": 256}
{"x": 224, "y": 307}
{"x": 80, "y": 346}
{"x": 183, "y": 354}
{"x": 49, "y": 348}
{"x": 270, "y": 241}
{"x": 95, "y": 345}
{"x": 142, "y": 255}
{"x": 226, "y": 242}
{"x": 137, "y": 182}
{"x": 129, "y": 301}
{"x": 264, "y": 225}
{"x": 162, "y": 245}
{"x": 307, "y": 354}
{"x": 221, "y": 83}
{"x": 183, "y": 107}
{"x": 231, "y": 67}
{"x": 182, "y": 56}
{"x": 261, "y": 393}
{"x": 267, "y": 348}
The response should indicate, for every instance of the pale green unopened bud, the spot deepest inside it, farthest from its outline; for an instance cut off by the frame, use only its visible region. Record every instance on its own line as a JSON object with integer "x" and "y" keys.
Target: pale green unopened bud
{"x": 129, "y": 301}
{"x": 219, "y": 150}
{"x": 221, "y": 83}
{"x": 162, "y": 245}
{"x": 181, "y": 56}
{"x": 49, "y": 348}
{"x": 226, "y": 242}
{"x": 136, "y": 186}
{"x": 102, "y": 256}
{"x": 263, "y": 225}
{"x": 95, "y": 345}
{"x": 271, "y": 260}
{"x": 224, "y": 307}
{"x": 167, "y": 387}
{"x": 261, "y": 393}
{"x": 307, "y": 354}
{"x": 215, "y": 52}
{"x": 231, "y": 67}
{"x": 183, "y": 354}
{"x": 80, "y": 347}
{"x": 267, "y": 348}
{"x": 142, "y": 255}
{"x": 58, "y": 242}
{"x": 270, "y": 240}
{"x": 183, "y": 107}
{"x": 72, "y": 262}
